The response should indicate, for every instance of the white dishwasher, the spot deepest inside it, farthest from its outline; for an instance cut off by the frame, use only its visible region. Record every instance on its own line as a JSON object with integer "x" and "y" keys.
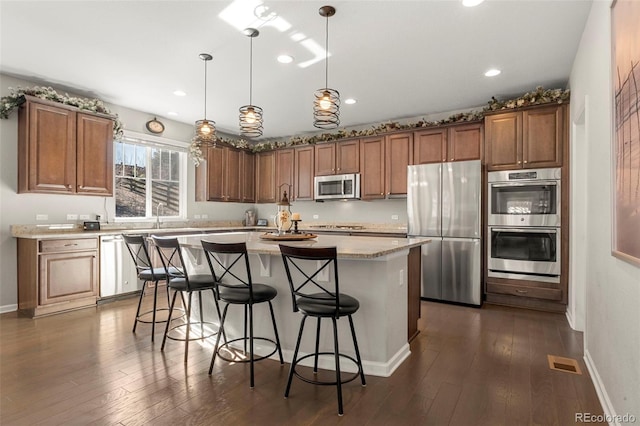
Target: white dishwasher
{"x": 118, "y": 274}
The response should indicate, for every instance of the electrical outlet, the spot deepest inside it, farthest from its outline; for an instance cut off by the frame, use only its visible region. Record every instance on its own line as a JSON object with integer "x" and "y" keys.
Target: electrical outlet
{"x": 401, "y": 277}
{"x": 71, "y": 216}
{"x": 315, "y": 216}
{"x": 394, "y": 217}
{"x": 205, "y": 216}
{"x": 42, "y": 217}
{"x": 84, "y": 217}
{"x": 196, "y": 216}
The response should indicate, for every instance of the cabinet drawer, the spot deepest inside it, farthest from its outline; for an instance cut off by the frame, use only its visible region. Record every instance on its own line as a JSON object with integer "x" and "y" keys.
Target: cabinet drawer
{"x": 524, "y": 291}
{"x": 49, "y": 246}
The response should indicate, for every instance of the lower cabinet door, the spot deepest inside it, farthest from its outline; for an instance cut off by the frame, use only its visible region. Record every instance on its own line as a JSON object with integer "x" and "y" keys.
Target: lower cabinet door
{"x": 68, "y": 276}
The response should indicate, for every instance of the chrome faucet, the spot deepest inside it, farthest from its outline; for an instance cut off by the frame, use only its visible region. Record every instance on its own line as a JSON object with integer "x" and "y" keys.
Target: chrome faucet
{"x": 160, "y": 205}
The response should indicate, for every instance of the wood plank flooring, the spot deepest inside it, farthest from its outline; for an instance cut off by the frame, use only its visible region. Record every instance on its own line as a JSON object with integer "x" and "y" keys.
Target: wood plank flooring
{"x": 467, "y": 367}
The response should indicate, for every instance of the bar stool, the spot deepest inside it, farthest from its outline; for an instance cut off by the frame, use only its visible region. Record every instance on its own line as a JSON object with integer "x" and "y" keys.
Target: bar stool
{"x": 137, "y": 247}
{"x": 181, "y": 282}
{"x": 319, "y": 301}
{"x": 235, "y": 290}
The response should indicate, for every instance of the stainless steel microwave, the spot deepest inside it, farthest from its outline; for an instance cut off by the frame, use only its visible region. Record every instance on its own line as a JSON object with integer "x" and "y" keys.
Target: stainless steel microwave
{"x": 337, "y": 187}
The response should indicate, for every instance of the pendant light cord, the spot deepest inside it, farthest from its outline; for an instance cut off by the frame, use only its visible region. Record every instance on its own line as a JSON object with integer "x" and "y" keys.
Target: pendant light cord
{"x": 326, "y": 55}
{"x": 205, "y": 89}
{"x": 251, "y": 71}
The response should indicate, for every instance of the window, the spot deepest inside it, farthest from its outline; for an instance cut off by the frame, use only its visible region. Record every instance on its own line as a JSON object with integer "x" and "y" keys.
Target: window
{"x": 149, "y": 179}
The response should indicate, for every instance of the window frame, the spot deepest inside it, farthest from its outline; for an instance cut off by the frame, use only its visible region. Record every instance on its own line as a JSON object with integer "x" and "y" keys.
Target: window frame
{"x": 151, "y": 141}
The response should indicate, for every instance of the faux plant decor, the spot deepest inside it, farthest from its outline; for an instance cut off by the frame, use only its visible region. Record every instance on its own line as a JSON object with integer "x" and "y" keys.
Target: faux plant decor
{"x": 538, "y": 96}
{"x": 16, "y": 98}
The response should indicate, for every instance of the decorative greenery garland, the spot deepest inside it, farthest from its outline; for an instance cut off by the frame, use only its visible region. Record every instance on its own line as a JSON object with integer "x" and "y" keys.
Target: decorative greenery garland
{"x": 16, "y": 98}
{"x": 538, "y": 96}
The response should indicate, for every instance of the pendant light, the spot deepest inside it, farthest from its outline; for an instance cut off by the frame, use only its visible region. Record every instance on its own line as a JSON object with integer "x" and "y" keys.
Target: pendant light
{"x": 251, "y": 115}
{"x": 326, "y": 105}
{"x": 205, "y": 129}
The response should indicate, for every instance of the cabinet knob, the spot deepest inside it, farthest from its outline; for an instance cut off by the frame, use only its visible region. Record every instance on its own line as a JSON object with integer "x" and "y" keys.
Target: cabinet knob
{"x": 525, "y": 161}
{"x": 521, "y": 291}
{"x": 338, "y": 168}
{"x": 452, "y": 159}
{"x": 382, "y": 193}
{"x": 518, "y": 161}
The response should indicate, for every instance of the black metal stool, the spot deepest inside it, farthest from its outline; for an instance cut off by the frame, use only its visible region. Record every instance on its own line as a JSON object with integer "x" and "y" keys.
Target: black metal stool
{"x": 303, "y": 265}
{"x": 181, "y": 282}
{"x": 233, "y": 289}
{"x": 137, "y": 247}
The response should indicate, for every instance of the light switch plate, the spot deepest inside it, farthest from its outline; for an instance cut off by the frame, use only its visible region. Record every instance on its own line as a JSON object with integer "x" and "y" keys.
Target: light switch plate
{"x": 71, "y": 216}
{"x": 42, "y": 217}
{"x": 84, "y": 217}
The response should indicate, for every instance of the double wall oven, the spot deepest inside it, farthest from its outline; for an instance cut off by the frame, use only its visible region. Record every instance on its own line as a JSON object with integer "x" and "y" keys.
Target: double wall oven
{"x": 524, "y": 224}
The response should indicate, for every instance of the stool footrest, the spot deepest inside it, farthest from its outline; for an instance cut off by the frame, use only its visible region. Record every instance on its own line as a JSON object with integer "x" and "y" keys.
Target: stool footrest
{"x": 193, "y": 324}
{"x": 321, "y": 382}
{"x": 157, "y": 321}
{"x": 240, "y": 339}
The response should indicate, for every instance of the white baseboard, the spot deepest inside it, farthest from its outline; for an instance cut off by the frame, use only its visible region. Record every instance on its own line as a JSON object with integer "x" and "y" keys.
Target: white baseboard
{"x": 570, "y": 319}
{"x": 8, "y": 308}
{"x": 609, "y": 412}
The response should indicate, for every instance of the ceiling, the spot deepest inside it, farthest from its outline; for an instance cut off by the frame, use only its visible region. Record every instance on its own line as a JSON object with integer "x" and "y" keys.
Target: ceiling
{"x": 397, "y": 58}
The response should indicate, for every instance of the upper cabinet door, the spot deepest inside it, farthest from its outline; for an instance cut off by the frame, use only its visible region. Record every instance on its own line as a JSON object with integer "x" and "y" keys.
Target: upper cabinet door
{"x": 372, "y": 179}
{"x": 266, "y": 180}
{"x": 47, "y": 149}
{"x": 303, "y": 179}
{"x": 465, "y": 142}
{"x": 94, "y": 155}
{"x": 232, "y": 176}
{"x": 430, "y": 146}
{"x": 325, "y": 159}
{"x": 347, "y": 157}
{"x": 543, "y": 131}
{"x": 248, "y": 172}
{"x": 398, "y": 155}
{"x": 503, "y": 141}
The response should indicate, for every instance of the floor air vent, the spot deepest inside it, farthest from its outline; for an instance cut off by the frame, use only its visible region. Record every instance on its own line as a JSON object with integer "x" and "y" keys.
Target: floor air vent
{"x": 568, "y": 365}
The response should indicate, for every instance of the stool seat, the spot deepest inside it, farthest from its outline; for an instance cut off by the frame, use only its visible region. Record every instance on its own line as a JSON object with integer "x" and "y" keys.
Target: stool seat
{"x": 195, "y": 283}
{"x": 240, "y": 295}
{"x": 324, "y": 305}
{"x": 152, "y": 273}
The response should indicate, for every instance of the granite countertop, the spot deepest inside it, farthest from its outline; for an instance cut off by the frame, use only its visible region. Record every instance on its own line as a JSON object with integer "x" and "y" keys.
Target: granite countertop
{"x": 62, "y": 231}
{"x": 354, "y": 247}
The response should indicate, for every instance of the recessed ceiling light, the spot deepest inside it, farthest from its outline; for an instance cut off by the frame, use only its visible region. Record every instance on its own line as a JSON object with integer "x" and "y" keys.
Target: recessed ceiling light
{"x": 350, "y": 101}
{"x": 471, "y": 3}
{"x": 492, "y": 72}
{"x": 179, "y": 93}
{"x": 285, "y": 59}
{"x": 172, "y": 113}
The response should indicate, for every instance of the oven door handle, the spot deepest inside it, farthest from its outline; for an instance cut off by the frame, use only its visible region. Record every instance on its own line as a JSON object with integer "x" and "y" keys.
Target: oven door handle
{"x": 529, "y": 230}
{"x": 529, "y": 183}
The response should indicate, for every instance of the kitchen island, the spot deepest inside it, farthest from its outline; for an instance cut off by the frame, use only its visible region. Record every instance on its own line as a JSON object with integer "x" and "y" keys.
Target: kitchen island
{"x": 374, "y": 270}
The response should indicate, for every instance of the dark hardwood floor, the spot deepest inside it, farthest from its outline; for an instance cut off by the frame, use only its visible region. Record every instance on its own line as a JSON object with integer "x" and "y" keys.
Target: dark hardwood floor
{"x": 467, "y": 367}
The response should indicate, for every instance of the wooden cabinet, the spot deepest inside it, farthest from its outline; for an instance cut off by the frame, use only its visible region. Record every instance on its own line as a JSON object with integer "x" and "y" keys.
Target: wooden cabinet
{"x": 266, "y": 177}
{"x": 63, "y": 150}
{"x": 337, "y": 158}
{"x": 398, "y": 155}
{"x": 304, "y": 173}
{"x": 57, "y": 275}
{"x": 248, "y": 177}
{"x": 453, "y": 143}
{"x": 531, "y": 138}
{"x": 285, "y": 159}
{"x": 372, "y": 179}
{"x": 220, "y": 177}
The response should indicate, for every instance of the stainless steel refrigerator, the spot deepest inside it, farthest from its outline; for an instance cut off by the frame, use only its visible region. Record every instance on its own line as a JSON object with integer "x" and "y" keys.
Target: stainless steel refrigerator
{"x": 443, "y": 202}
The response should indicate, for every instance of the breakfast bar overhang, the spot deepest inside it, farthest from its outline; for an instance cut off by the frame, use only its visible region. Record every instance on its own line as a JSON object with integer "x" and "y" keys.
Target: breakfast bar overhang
{"x": 374, "y": 270}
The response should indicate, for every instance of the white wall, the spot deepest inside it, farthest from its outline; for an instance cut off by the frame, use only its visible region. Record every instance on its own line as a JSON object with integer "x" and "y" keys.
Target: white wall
{"x": 612, "y": 311}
